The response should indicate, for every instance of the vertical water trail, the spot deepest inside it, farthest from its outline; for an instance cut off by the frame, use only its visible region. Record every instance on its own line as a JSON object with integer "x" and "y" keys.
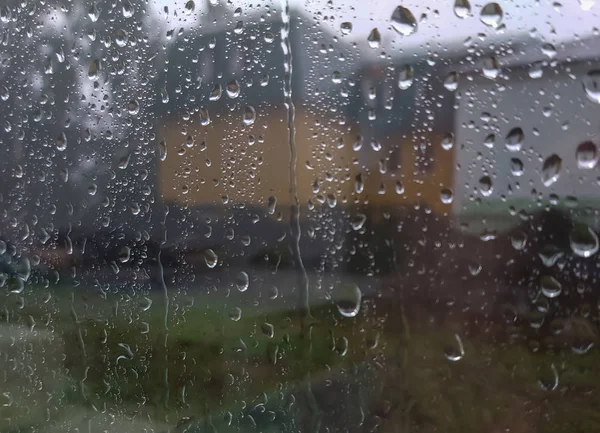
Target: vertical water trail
{"x": 304, "y": 301}
{"x": 165, "y": 291}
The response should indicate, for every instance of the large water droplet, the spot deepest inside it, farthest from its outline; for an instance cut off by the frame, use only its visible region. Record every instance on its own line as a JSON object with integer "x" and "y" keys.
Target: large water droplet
{"x": 233, "y": 89}
{"x": 586, "y": 155}
{"x": 190, "y": 7}
{"x": 133, "y": 107}
{"x": 446, "y": 196}
{"x": 405, "y": 77}
{"x": 210, "y": 258}
{"x": 462, "y": 8}
{"x": 591, "y": 85}
{"x": 403, "y": 21}
{"x": 349, "y": 300}
{"x": 242, "y": 281}
{"x": 453, "y": 353}
{"x": 374, "y": 38}
{"x": 514, "y": 139}
{"x": 249, "y": 115}
{"x": 485, "y": 186}
{"x": 491, "y": 68}
{"x": 448, "y": 141}
{"x": 551, "y": 169}
{"x": 583, "y": 240}
{"x": 550, "y": 286}
{"x": 61, "y": 142}
{"x": 516, "y": 167}
{"x": 549, "y": 380}
{"x": 346, "y": 28}
{"x": 491, "y": 15}
{"x": 124, "y": 254}
{"x": 451, "y": 81}
{"x": 358, "y": 221}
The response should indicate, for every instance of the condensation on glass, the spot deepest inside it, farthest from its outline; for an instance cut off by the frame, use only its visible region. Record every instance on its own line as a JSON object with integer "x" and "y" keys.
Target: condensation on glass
{"x": 321, "y": 216}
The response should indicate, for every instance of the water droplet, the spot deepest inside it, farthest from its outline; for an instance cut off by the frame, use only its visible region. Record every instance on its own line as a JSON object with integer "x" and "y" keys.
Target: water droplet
{"x": 249, "y": 115}
{"x": 451, "y": 81}
{"x": 235, "y": 314}
{"x": 549, "y": 51}
{"x": 462, "y": 8}
{"x": 405, "y": 77}
{"x": 359, "y": 183}
{"x": 489, "y": 141}
{"x": 233, "y": 89}
{"x": 210, "y": 258}
{"x": 516, "y": 167}
{"x": 551, "y": 169}
{"x": 549, "y": 383}
{"x": 358, "y": 221}
{"x": 121, "y": 38}
{"x": 349, "y": 300}
{"x": 536, "y": 71}
{"x": 242, "y": 281}
{"x": 491, "y": 15}
{"x": 374, "y": 38}
{"x": 446, "y": 196}
{"x": 94, "y": 70}
{"x": 485, "y": 186}
{"x": 583, "y": 240}
{"x": 491, "y": 68}
{"x": 164, "y": 95}
{"x": 127, "y": 9}
{"x": 586, "y": 155}
{"x": 346, "y": 28}
{"x": 94, "y": 12}
{"x": 124, "y": 254}
{"x": 399, "y": 186}
{"x": 61, "y": 142}
{"x": 271, "y": 204}
{"x": 268, "y": 329}
{"x": 518, "y": 240}
{"x": 455, "y": 353}
{"x": 514, "y": 140}
{"x": 162, "y": 150}
{"x": 550, "y": 286}
{"x": 403, "y": 21}
{"x": 190, "y": 7}
{"x": 133, "y": 107}
{"x": 448, "y": 141}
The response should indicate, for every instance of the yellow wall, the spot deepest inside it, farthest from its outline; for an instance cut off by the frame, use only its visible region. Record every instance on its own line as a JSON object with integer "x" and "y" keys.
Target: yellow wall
{"x": 251, "y": 173}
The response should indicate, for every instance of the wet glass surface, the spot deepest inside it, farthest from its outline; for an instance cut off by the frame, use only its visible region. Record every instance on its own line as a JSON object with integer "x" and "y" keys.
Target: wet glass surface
{"x": 319, "y": 216}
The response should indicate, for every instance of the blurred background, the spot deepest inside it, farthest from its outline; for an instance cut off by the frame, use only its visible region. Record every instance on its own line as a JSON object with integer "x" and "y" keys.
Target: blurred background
{"x": 308, "y": 216}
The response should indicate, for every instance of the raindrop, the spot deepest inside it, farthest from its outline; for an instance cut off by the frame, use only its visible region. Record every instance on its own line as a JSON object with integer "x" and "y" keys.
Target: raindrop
{"x": 235, "y": 314}
{"x": 271, "y": 204}
{"x": 551, "y": 169}
{"x": 489, "y": 141}
{"x": 359, "y": 184}
{"x": 121, "y": 38}
{"x": 127, "y": 9}
{"x": 448, "y": 141}
{"x": 583, "y": 240}
{"x": 242, "y": 281}
{"x": 518, "y": 240}
{"x": 399, "y": 187}
{"x": 249, "y": 115}
{"x": 586, "y": 155}
{"x": 490, "y": 68}
{"x": 462, "y": 8}
{"x": 485, "y": 186}
{"x": 455, "y": 353}
{"x": 491, "y": 15}
{"x": 516, "y": 167}
{"x": 549, "y": 51}
{"x": 586, "y": 5}
{"x": 94, "y": 12}
{"x": 162, "y": 150}
{"x": 451, "y": 81}
{"x": 374, "y": 38}
{"x": 210, "y": 258}
{"x": 233, "y": 89}
{"x": 268, "y": 329}
{"x": 349, "y": 300}
{"x": 405, "y": 77}
{"x": 164, "y": 95}
{"x": 550, "y": 286}
{"x": 190, "y": 6}
{"x": 61, "y": 142}
{"x": 346, "y": 28}
{"x": 124, "y": 254}
{"x": 403, "y": 21}
{"x": 358, "y": 221}
{"x": 446, "y": 196}
{"x": 514, "y": 140}
{"x": 549, "y": 384}
{"x": 133, "y": 107}
{"x": 94, "y": 70}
